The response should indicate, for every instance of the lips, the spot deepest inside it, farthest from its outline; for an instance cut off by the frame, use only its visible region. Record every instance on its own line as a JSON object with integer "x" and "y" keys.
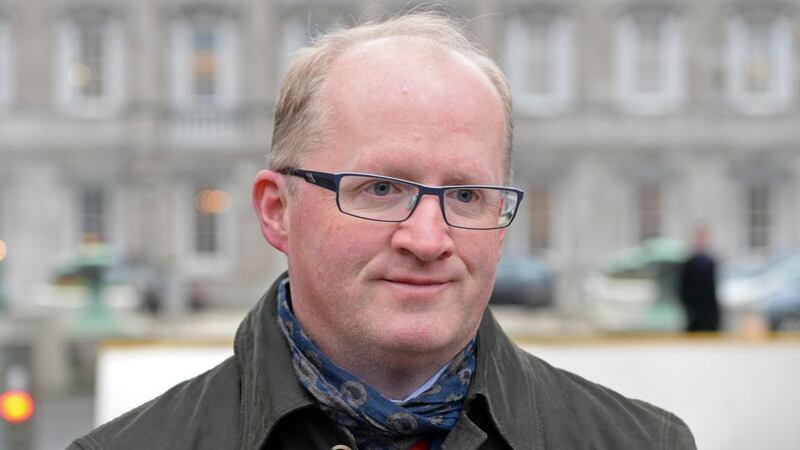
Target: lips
{"x": 417, "y": 281}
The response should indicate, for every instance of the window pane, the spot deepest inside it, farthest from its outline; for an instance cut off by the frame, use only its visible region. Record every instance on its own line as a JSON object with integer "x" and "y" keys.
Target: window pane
{"x": 91, "y": 43}
{"x": 650, "y": 66}
{"x": 758, "y": 56}
{"x": 94, "y": 212}
{"x": 209, "y": 204}
{"x": 205, "y": 47}
{"x": 758, "y": 217}
{"x": 205, "y": 233}
{"x": 649, "y": 206}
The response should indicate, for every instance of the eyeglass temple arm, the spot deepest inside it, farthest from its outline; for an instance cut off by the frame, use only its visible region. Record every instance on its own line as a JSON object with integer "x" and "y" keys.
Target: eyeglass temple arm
{"x": 321, "y": 179}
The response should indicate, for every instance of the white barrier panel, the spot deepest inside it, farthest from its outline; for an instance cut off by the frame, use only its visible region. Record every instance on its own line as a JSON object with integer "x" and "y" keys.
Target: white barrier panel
{"x": 733, "y": 395}
{"x": 129, "y": 375}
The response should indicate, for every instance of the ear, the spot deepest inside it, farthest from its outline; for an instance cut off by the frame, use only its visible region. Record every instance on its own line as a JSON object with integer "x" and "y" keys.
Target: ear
{"x": 271, "y": 202}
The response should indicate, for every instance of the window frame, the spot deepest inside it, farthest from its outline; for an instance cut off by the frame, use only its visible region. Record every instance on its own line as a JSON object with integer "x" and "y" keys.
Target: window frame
{"x": 115, "y": 211}
{"x": 770, "y": 229}
{"x": 196, "y": 262}
{"x": 640, "y": 212}
{"x": 672, "y": 57}
{"x": 780, "y": 96}
{"x": 227, "y": 80}
{"x": 560, "y": 44}
{"x": 68, "y": 49}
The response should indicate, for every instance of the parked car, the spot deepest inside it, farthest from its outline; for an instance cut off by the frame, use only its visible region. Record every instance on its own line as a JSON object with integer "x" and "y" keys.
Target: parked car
{"x": 772, "y": 288}
{"x": 634, "y": 289}
{"x": 523, "y": 280}
{"x": 746, "y": 285}
{"x": 782, "y": 307}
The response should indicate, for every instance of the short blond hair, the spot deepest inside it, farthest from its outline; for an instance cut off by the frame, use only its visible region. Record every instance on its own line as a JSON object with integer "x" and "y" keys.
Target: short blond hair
{"x": 299, "y": 115}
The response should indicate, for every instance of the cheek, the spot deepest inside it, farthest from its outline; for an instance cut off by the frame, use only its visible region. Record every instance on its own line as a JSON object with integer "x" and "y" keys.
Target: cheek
{"x": 332, "y": 240}
{"x": 481, "y": 253}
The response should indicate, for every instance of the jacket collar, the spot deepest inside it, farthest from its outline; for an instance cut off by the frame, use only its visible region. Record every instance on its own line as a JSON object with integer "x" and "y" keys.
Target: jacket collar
{"x": 270, "y": 390}
{"x": 507, "y": 387}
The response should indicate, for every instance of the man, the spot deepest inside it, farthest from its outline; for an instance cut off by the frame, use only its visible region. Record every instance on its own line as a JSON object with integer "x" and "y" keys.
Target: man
{"x": 698, "y": 286}
{"x": 390, "y": 156}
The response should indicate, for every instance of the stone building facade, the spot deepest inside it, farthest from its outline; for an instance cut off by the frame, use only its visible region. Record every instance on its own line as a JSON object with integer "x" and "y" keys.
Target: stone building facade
{"x": 143, "y": 122}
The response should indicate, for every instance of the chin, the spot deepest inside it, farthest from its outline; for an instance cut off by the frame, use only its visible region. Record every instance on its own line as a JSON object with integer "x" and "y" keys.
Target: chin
{"x": 421, "y": 341}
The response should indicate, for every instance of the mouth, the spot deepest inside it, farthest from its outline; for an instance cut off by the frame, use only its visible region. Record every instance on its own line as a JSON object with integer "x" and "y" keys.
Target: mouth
{"x": 416, "y": 288}
{"x": 421, "y": 282}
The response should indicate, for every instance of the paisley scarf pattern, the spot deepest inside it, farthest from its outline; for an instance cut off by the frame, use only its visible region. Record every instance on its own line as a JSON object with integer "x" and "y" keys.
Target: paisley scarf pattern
{"x": 375, "y": 421}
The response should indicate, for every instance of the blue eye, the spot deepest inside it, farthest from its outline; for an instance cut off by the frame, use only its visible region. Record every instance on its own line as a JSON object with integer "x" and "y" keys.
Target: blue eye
{"x": 465, "y": 195}
{"x": 381, "y": 188}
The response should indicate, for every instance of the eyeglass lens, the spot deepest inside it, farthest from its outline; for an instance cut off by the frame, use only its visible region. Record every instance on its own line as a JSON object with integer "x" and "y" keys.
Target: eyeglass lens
{"x": 391, "y": 200}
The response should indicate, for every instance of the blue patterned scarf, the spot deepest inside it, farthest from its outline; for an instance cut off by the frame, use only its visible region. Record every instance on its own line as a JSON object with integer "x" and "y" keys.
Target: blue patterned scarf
{"x": 375, "y": 421}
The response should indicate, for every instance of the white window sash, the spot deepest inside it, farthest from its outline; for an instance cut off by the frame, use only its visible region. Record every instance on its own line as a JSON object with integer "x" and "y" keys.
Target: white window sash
{"x": 228, "y": 82}
{"x": 748, "y": 211}
{"x": 560, "y": 72}
{"x": 780, "y": 93}
{"x": 671, "y": 54}
{"x": 68, "y": 94}
{"x": 180, "y": 54}
{"x": 227, "y": 87}
{"x": 114, "y": 214}
{"x": 192, "y": 261}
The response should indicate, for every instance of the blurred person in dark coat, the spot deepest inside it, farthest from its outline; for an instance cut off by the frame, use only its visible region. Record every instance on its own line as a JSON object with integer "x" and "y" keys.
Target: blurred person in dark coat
{"x": 697, "y": 287}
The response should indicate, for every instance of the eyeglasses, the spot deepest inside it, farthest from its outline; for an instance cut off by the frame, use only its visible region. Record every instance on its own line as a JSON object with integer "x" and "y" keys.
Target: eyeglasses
{"x": 387, "y": 199}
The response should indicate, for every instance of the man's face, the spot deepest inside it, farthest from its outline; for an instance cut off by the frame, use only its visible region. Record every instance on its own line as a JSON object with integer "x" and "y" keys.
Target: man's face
{"x": 412, "y": 289}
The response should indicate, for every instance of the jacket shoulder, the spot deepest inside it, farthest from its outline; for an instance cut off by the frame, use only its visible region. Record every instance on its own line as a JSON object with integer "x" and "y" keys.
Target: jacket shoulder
{"x": 200, "y": 413}
{"x": 578, "y": 413}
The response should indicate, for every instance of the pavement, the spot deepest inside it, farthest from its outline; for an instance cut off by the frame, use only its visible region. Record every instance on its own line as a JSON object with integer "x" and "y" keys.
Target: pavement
{"x": 61, "y": 419}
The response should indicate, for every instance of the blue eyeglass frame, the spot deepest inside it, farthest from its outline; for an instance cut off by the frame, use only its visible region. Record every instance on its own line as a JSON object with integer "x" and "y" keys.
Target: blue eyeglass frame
{"x": 330, "y": 181}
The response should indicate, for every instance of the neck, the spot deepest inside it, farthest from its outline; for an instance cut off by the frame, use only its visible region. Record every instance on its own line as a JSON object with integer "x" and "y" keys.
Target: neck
{"x": 395, "y": 380}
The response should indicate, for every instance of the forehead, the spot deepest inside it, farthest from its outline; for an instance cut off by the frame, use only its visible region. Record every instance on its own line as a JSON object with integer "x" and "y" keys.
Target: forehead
{"x": 398, "y": 91}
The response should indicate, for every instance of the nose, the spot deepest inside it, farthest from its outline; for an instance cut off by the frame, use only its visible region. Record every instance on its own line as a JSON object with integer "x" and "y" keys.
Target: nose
{"x": 425, "y": 234}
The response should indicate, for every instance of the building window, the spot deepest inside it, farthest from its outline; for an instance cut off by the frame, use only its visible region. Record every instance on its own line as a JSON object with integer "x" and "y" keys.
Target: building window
{"x": 6, "y": 70}
{"x": 94, "y": 213}
{"x": 90, "y": 76}
{"x": 210, "y": 206}
{"x": 759, "y": 64}
{"x": 649, "y": 63}
{"x": 204, "y": 50}
{"x": 540, "y": 217}
{"x": 648, "y": 212}
{"x": 95, "y": 209}
{"x": 538, "y": 60}
{"x": 91, "y": 56}
{"x": 204, "y": 63}
{"x": 758, "y": 217}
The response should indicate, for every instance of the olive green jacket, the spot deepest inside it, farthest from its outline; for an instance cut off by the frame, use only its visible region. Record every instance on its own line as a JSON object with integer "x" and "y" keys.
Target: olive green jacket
{"x": 253, "y": 401}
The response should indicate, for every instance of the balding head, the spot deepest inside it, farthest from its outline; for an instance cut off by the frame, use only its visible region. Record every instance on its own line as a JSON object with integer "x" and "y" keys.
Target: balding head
{"x": 302, "y": 118}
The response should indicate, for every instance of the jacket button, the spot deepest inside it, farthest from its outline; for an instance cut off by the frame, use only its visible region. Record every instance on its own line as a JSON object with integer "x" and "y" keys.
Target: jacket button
{"x": 341, "y": 447}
